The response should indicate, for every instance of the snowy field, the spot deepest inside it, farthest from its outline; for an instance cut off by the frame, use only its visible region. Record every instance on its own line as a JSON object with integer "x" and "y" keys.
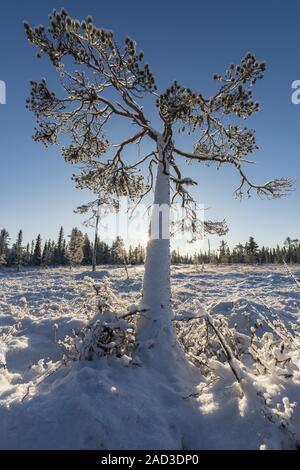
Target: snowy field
{"x": 112, "y": 403}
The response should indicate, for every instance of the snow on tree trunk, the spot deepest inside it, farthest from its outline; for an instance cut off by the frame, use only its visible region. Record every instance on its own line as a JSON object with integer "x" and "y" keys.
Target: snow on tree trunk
{"x": 155, "y": 329}
{"x": 158, "y": 345}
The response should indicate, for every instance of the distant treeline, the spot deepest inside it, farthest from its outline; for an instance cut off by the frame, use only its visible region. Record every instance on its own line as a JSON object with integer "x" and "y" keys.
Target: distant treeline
{"x": 74, "y": 250}
{"x": 77, "y": 249}
{"x": 250, "y": 253}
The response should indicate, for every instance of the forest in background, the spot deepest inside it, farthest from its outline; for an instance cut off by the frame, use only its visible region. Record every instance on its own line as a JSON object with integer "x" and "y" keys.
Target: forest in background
{"x": 77, "y": 249}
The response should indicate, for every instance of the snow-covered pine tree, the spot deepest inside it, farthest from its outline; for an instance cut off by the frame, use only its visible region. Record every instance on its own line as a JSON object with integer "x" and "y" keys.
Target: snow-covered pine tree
{"x": 110, "y": 82}
{"x": 75, "y": 247}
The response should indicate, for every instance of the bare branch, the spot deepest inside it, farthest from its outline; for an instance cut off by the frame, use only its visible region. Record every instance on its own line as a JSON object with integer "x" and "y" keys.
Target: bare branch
{"x": 275, "y": 189}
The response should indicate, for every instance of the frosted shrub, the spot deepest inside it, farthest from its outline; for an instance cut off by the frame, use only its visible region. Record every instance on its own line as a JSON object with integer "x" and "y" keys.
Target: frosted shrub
{"x": 104, "y": 336}
{"x": 18, "y": 312}
{"x": 6, "y": 335}
{"x": 264, "y": 361}
{"x": 106, "y": 333}
{"x": 270, "y": 346}
{"x": 101, "y": 296}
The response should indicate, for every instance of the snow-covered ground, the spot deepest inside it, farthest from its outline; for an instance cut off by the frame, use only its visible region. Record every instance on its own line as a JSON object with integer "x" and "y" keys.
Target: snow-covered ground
{"x": 111, "y": 403}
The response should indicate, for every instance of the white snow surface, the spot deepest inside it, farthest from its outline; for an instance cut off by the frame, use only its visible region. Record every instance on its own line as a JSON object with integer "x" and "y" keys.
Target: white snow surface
{"x": 109, "y": 403}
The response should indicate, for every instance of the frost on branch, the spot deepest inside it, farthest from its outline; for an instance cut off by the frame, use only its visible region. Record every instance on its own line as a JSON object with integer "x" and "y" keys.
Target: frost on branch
{"x": 106, "y": 333}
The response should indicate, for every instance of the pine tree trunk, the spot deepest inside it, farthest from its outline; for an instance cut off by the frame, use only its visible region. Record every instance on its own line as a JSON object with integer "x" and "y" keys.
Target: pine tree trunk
{"x": 96, "y": 239}
{"x": 155, "y": 329}
{"x": 158, "y": 347}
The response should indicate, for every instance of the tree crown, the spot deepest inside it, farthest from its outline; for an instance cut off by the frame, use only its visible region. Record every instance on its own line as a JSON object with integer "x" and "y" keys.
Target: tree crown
{"x": 111, "y": 81}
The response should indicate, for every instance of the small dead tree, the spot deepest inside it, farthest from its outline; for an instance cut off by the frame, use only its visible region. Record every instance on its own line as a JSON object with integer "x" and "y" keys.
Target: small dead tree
{"x": 102, "y": 81}
{"x": 102, "y": 205}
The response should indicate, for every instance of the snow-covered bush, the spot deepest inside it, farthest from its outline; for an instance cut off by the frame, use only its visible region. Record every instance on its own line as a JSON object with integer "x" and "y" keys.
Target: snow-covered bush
{"x": 105, "y": 335}
{"x": 270, "y": 346}
{"x": 6, "y": 335}
{"x": 106, "y": 332}
{"x": 264, "y": 361}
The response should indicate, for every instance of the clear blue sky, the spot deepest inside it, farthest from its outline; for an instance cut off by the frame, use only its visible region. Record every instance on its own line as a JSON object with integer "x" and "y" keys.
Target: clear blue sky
{"x": 187, "y": 41}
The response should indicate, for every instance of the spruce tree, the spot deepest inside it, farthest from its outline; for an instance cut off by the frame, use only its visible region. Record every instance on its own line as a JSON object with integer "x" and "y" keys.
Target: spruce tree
{"x": 87, "y": 250}
{"x": 75, "y": 248}
{"x": 59, "y": 249}
{"x": 48, "y": 254}
{"x": 4, "y": 241}
{"x": 19, "y": 251}
{"x": 223, "y": 254}
{"x": 37, "y": 253}
{"x": 251, "y": 249}
{"x": 103, "y": 253}
{"x": 118, "y": 252}
{"x": 27, "y": 257}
